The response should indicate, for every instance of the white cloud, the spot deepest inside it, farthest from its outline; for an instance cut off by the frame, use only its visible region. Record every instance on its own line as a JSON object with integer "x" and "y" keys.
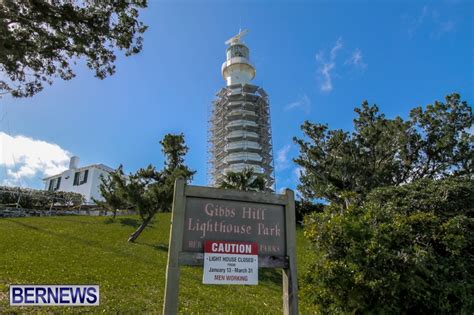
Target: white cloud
{"x": 430, "y": 19}
{"x": 414, "y": 22}
{"x": 336, "y": 48}
{"x": 327, "y": 66}
{"x": 443, "y": 27}
{"x": 303, "y": 102}
{"x": 282, "y": 161}
{"x": 356, "y": 60}
{"x": 418, "y": 21}
{"x": 26, "y": 158}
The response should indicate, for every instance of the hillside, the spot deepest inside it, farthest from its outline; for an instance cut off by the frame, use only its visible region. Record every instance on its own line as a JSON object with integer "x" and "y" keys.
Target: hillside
{"x": 93, "y": 250}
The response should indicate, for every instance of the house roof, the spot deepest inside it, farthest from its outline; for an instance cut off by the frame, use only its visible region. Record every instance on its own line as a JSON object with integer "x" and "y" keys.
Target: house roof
{"x": 99, "y": 166}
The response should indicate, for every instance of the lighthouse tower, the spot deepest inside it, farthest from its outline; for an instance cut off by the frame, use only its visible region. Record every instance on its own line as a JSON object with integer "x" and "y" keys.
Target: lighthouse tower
{"x": 239, "y": 126}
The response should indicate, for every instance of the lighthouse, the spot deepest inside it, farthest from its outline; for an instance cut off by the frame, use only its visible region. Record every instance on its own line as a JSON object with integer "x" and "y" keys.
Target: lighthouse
{"x": 239, "y": 124}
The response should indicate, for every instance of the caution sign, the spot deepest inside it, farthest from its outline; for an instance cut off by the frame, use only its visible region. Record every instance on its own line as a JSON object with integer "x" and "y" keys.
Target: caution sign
{"x": 230, "y": 263}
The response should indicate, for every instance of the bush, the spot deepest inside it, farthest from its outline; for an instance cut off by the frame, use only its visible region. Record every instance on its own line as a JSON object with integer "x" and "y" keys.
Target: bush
{"x": 38, "y": 199}
{"x": 304, "y": 207}
{"x": 407, "y": 249}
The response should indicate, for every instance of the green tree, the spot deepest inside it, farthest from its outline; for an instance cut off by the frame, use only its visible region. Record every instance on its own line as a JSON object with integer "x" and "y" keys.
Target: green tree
{"x": 39, "y": 40}
{"x": 304, "y": 207}
{"x": 246, "y": 180}
{"x": 343, "y": 167}
{"x": 111, "y": 189}
{"x": 405, "y": 250}
{"x": 145, "y": 190}
{"x": 149, "y": 190}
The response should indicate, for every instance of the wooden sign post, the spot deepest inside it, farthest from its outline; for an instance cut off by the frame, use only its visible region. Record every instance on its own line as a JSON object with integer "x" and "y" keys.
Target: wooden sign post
{"x": 210, "y": 214}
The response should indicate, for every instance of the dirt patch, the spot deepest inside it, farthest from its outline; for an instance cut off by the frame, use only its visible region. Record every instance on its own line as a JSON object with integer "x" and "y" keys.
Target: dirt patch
{"x": 3, "y": 296}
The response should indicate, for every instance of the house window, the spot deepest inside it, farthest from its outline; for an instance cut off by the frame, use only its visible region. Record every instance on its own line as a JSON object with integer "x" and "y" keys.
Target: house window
{"x": 80, "y": 178}
{"x": 54, "y": 184}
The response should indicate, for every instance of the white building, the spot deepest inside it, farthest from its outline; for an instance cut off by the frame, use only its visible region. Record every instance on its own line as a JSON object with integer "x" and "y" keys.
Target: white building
{"x": 84, "y": 180}
{"x": 240, "y": 132}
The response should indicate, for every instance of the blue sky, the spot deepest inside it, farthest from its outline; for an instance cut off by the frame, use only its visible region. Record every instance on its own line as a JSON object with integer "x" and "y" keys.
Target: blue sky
{"x": 317, "y": 60}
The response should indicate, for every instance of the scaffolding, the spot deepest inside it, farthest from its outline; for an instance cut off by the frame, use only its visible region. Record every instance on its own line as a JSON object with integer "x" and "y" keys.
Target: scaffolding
{"x": 240, "y": 133}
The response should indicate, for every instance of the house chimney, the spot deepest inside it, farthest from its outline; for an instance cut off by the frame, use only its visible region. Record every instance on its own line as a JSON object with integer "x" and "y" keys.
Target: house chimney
{"x": 74, "y": 163}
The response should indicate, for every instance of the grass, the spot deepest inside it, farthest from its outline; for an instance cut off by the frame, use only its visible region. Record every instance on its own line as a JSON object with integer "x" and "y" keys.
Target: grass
{"x": 93, "y": 250}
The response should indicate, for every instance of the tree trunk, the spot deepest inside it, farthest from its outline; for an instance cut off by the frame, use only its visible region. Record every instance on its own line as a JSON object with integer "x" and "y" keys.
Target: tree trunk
{"x": 137, "y": 233}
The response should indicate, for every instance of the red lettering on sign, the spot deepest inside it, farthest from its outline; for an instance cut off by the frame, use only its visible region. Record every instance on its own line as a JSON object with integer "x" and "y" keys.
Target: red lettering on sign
{"x": 224, "y": 247}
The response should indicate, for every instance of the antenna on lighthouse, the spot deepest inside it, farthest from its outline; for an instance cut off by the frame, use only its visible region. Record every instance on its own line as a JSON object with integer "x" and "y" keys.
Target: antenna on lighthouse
{"x": 236, "y": 38}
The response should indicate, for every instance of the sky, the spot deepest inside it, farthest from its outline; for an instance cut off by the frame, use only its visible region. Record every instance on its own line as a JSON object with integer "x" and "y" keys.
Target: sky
{"x": 317, "y": 60}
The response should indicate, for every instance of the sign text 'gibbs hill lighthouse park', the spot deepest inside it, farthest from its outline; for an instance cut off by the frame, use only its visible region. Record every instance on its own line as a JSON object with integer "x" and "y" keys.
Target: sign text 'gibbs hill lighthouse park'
{"x": 232, "y": 233}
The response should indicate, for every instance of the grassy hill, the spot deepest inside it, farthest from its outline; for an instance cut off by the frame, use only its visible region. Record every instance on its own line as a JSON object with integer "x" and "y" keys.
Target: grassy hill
{"x": 93, "y": 250}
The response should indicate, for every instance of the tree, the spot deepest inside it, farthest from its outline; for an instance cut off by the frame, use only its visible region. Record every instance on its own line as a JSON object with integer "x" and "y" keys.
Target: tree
{"x": 40, "y": 39}
{"x": 343, "y": 167}
{"x": 150, "y": 191}
{"x": 404, "y": 250}
{"x": 305, "y": 207}
{"x": 174, "y": 149}
{"x": 146, "y": 191}
{"x": 246, "y": 180}
{"x": 111, "y": 189}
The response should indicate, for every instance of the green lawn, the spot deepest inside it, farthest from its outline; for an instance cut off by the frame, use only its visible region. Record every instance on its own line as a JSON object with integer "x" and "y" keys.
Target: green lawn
{"x": 93, "y": 250}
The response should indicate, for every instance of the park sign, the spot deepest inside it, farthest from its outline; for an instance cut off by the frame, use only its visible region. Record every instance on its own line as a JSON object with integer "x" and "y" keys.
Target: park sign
{"x": 229, "y": 220}
{"x": 205, "y": 215}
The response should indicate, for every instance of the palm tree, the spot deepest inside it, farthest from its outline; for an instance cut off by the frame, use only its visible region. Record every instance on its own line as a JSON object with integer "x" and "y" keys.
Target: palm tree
{"x": 246, "y": 180}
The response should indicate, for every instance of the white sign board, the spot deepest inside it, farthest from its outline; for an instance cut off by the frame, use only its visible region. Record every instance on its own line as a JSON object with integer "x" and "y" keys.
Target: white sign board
{"x": 230, "y": 263}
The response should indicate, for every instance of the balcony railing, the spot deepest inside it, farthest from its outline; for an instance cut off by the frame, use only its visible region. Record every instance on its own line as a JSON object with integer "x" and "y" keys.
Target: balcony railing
{"x": 241, "y": 166}
{"x": 240, "y": 124}
{"x": 243, "y": 157}
{"x": 243, "y": 146}
{"x": 242, "y": 134}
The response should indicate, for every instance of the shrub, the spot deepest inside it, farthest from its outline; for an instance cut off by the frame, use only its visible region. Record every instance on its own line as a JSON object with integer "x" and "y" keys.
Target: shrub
{"x": 38, "y": 199}
{"x": 407, "y": 249}
{"x": 304, "y": 207}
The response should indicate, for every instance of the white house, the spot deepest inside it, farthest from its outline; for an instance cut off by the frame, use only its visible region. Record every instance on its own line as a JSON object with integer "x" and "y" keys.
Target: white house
{"x": 84, "y": 180}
